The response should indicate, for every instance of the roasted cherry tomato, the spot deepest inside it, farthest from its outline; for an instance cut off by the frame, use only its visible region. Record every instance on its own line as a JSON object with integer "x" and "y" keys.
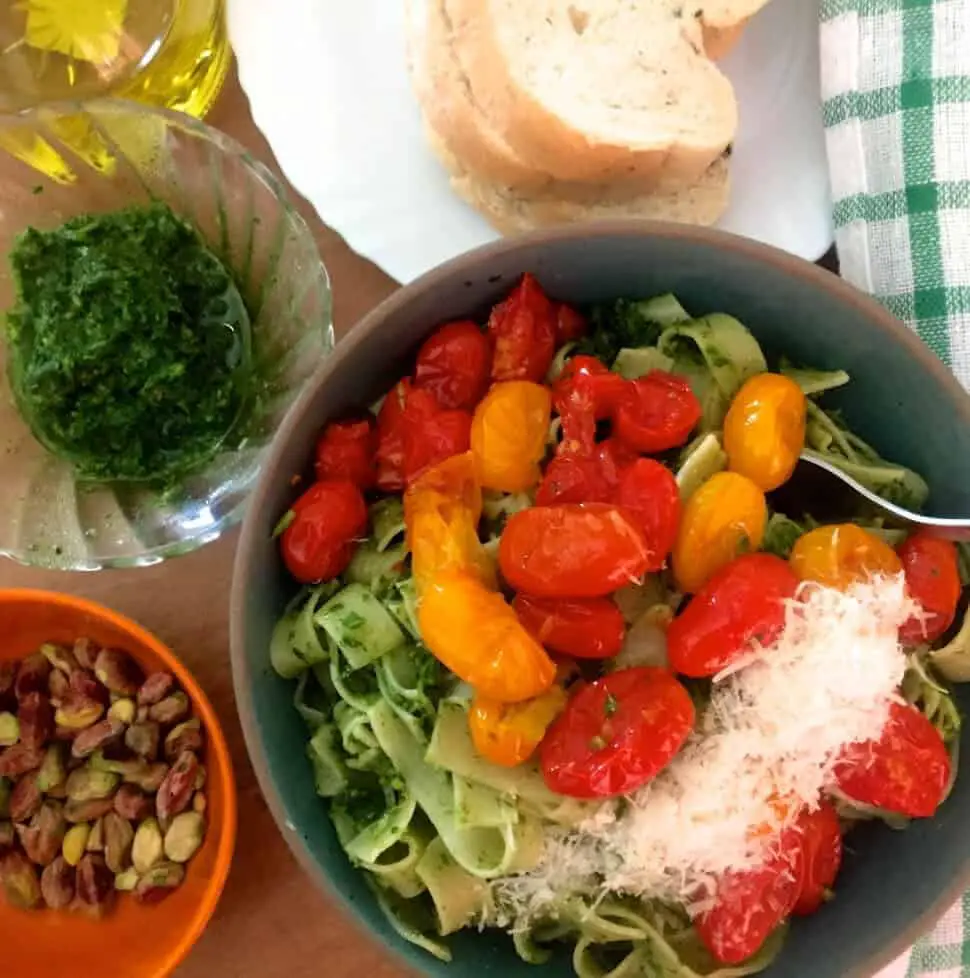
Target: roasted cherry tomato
{"x": 750, "y": 904}
{"x": 587, "y": 376}
{"x": 933, "y": 580}
{"x": 764, "y": 430}
{"x": 442, "y": 508}
{"x": 906, "y": 770}
{"x": 741, "y": 604}
{"x": 574, "y": 478}
{"x": 398, "y": 410}
{"x": 656, "y": 412}
{"x": 432, "y": 438}
{"x": 838, "y": 556}
{"x": 820, "y": 856}
{"x": 571, "y": 551}
{"x": 570, "y": 324}
{"x": 584, "y": 477}
{"x": 328, "y": 520}
{"x": 481, "y": 640}
{"x": 584, "y": 393}
{"x": 523, "y": 333}
{"x": 455, "y": 363}
{"x": 584, "y": 628}
{"x": 346, "y": 451}
{"x": 722, "y": 519}
{"x": 508, "y": 436}
{"x": 616, "y": 734}
{"x": 648, "y": 492}
{"x": 508, "y": 733}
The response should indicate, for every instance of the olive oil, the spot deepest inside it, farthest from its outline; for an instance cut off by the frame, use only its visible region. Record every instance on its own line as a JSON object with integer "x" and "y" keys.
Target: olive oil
{"x": 170, "y": 53}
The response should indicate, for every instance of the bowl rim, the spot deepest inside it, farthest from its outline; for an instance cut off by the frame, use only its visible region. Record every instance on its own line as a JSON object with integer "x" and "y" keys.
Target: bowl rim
{"x": 227, "y": 145}
{"x": 344, "y": 351}
{"x": 228, "y": 825}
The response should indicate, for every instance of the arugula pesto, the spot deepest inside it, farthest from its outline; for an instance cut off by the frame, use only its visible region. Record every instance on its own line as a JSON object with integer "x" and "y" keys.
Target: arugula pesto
{"x": 129, "y": 344}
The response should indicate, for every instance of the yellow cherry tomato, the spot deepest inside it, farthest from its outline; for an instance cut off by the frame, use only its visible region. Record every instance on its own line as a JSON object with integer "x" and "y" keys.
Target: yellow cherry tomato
{"x": 508, "y": 733}
{"x": 722, "y": 519}
{"x": 509, "y": 431}
{"x": 477, "y": 635}
{"x": 442, "y": 508}
{"x": 764, "y": 431}
{"x": 838, "y": 556}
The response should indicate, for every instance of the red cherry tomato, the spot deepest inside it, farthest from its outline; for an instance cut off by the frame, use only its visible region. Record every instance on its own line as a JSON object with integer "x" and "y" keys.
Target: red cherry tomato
{"x": 905, "y": 771}
{"x": 523, "y": 333}
{"x": 820, "y": 856}
{"x": 346, "y": 450}
{"x": 570, "y": 324}
{"x": 742, "y": 602}
{"x": 454, "y": 364}
{"x": 584, "y": 392}
{"x": 648, "y": 491}
{"x": 616, "y": 734}
{"x": 656, "y": 412}
{"x": 614, "y": 456}
{"x": 328, "y": 519}
{"x": 584, "y": 628}
{"x": 587, "y": 381}
{"x": 584, "y": 477}
{"x": 574, "y": 478}
{"x": 413, "y": 433}
{"x": 933, "y": 580}
{"x": 390, "y": 437}
{"x": 431, "y": 438}
{"x": 750, "y": 904}
{"x": 569, "y": 551}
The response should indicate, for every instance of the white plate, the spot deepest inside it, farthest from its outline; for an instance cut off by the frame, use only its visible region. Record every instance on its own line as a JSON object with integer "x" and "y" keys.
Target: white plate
{"x": 328, "y": 84}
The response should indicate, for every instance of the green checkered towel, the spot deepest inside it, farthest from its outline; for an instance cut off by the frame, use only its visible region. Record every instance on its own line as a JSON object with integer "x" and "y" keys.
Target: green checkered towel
{"x": 896, "y": 102}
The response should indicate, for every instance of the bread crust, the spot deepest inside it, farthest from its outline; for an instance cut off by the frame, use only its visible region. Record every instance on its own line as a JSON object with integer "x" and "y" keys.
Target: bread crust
{"x": 537, "y": 134}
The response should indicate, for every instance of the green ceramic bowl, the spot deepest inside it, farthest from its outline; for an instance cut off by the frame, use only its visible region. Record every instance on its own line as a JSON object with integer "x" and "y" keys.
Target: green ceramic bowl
{"x": 901, "y": 399}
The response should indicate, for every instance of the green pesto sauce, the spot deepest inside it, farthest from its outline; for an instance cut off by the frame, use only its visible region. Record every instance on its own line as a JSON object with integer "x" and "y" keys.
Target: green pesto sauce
{"x": 129, "y": 345}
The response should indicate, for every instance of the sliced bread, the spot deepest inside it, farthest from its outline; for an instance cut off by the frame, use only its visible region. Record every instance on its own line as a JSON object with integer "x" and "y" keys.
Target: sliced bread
{"x": 512, "y": 211}
{"x": 597, "y": 89}
{"x": 449, "y": 108}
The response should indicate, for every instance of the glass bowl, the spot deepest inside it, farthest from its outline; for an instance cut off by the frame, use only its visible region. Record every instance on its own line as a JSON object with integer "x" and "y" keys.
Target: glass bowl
{"x": 60, "y": 161}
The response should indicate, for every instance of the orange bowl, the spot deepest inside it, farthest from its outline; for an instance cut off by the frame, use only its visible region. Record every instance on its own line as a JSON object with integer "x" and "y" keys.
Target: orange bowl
{"x": 132, "y": 941}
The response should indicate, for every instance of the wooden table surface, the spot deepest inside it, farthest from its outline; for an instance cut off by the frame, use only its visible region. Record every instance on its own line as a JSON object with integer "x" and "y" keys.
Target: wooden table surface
{"x": 271, "y": 921}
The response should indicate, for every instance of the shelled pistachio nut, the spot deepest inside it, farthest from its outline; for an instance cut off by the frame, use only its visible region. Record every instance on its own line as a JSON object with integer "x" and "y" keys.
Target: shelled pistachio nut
{"x": 60, "y": 657}
{"x": 86, "y": 785}
{"x": 118, "y": 839}
{"x": 118, "y": 672}
{"x": 159, "y": 882}
{"x": 95, "y": 885}
{"x": 52, "y": 773}
{"x": 9, "y": 730}
{"x": 57, "y": 884}
{"x": 127, "y": 881}
{"x": 123, "y": 710}
{"x": 77, "y": 711}
{"x": 95, "y": 841}
{"x": 149, "y": 845}
{"x": 184, "y": 837}
{"x": 87, "y": 811}
{"x": 142, "y": 738}
{"x": 76, "y": 842}
{"x": 185, "y": 736}
{"x": 19, "y": 881}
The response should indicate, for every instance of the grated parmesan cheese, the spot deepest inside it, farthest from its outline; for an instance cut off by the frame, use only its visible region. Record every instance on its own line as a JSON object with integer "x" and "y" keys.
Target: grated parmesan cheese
{"x": 763, "y": 749}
